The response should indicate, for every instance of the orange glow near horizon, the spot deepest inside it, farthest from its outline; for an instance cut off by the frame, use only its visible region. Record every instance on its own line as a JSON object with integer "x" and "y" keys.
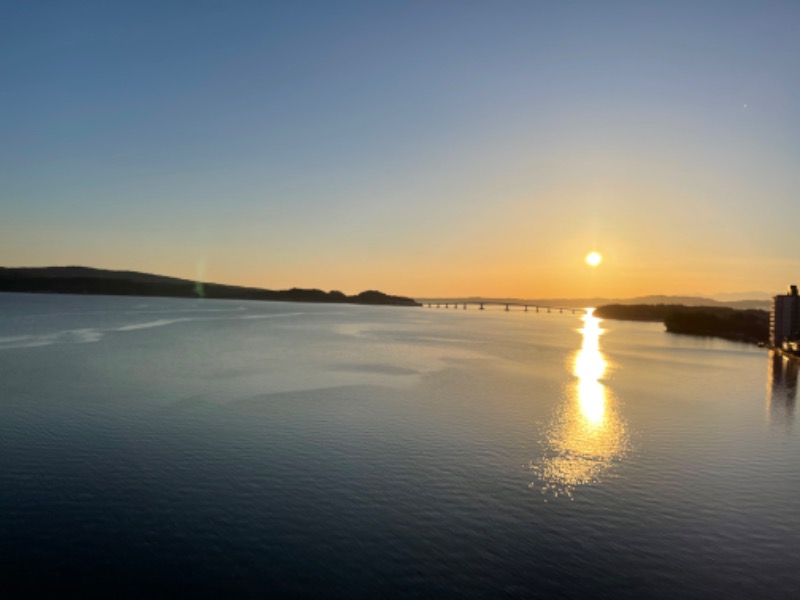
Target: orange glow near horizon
{"x": 505, "y": 264}
{"x": 441, "y": 277}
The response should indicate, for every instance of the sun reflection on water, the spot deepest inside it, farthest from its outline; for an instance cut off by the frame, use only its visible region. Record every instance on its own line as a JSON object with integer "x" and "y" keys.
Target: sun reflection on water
{"x": 587, "y": 436}
{"x": 589, "y": 366}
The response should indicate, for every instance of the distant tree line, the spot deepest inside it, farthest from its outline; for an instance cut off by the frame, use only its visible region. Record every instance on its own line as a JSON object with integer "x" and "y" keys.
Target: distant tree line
{"x": 739, "y": 325}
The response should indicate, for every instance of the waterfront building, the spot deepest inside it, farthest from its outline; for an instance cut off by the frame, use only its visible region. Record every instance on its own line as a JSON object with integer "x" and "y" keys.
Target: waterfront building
{"x": 784, "y": 319}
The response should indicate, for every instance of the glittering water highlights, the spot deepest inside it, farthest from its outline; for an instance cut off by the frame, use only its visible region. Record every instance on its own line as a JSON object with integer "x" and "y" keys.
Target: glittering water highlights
{"x": 165, "y": 447}
{"x": 587, "y": 436}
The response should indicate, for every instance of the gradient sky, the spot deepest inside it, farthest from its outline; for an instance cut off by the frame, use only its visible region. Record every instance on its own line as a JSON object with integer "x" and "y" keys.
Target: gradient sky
{"x": 419, "y": 148}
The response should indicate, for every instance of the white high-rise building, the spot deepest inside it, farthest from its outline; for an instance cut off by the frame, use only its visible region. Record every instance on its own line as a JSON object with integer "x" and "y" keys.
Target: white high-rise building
{"x": 784, "y": 320}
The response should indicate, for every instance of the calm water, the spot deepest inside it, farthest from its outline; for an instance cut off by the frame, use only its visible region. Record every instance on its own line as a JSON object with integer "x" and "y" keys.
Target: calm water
{"x": 165, "y": 446}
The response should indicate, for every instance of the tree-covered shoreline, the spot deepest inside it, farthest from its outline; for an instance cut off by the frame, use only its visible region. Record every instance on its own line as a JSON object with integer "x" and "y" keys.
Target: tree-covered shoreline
{"x": 750, "y": 326}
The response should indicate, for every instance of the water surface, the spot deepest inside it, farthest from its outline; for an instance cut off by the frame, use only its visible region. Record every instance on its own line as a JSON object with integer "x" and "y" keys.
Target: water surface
{"x": 163, "y": 446}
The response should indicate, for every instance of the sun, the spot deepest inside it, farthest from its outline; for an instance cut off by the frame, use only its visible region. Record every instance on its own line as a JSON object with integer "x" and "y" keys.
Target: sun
{"x": 593, "y": 259}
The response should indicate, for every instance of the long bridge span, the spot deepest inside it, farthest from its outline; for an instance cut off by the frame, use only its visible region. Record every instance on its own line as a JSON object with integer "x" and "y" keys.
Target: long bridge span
{"x": 527, "y": 307}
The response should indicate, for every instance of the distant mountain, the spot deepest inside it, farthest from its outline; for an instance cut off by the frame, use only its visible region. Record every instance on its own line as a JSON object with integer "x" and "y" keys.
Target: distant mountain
{"x": 73, "y": 272}
{"x": 86, "y": 280}
{"x": 738, "y": 296}
{"x": 697, "y": 301}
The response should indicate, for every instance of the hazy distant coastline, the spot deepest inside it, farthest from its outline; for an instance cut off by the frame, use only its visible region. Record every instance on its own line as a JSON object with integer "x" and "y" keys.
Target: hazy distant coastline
{"x": 87, "y": 280}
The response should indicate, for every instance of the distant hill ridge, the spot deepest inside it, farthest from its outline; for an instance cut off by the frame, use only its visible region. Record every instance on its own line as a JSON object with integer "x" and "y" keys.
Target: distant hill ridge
{"x": 70, "y": 272}
{"x": 88, "y": 280}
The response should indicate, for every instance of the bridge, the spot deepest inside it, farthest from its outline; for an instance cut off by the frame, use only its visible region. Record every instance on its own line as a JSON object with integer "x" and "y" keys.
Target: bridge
{"x": 535, "y": 307}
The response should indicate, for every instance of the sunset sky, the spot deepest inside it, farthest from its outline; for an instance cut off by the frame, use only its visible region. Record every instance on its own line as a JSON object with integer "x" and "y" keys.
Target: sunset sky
{"x": 420, "y": 148}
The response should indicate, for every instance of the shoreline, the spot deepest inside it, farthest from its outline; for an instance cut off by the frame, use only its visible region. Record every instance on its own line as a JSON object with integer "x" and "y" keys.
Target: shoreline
{"x": 749, "y": 326}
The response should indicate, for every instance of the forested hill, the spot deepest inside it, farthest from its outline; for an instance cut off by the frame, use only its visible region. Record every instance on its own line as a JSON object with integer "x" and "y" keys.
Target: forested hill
{"x": 86, "y": 280}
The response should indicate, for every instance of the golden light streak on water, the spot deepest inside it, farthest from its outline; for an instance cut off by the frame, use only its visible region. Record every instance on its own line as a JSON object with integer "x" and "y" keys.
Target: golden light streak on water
{"x": 587, "y": 436}
{"x": 589, "y": 367}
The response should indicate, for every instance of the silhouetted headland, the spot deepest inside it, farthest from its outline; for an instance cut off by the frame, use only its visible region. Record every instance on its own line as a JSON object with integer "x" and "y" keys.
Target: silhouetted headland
{"x": 86, "y": 280}
{"x": 751, "y": 326}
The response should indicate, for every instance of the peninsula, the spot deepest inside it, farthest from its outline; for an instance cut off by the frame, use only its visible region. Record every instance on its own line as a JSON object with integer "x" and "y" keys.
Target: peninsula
{"x": 751, "y": 326}
{"x": 86, "y": 280}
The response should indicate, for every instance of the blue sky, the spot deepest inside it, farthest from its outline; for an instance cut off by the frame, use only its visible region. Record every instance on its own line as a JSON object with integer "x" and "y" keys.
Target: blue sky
{"x": 417, "y": 147}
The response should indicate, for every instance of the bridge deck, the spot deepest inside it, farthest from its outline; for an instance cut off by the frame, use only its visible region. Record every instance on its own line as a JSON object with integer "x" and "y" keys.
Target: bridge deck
{"x": 507, "y": 305}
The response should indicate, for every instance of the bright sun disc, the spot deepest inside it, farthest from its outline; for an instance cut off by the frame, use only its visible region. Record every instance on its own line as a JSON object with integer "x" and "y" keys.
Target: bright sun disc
{"x": 593, "y": 259}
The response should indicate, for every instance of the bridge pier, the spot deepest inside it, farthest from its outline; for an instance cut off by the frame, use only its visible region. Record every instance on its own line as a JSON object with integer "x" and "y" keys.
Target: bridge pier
{"x": 506, "y": 307}
{"x": 465, "y": 306}
{"x": 481, "y": 305}
{"x": 526, "y": 308}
